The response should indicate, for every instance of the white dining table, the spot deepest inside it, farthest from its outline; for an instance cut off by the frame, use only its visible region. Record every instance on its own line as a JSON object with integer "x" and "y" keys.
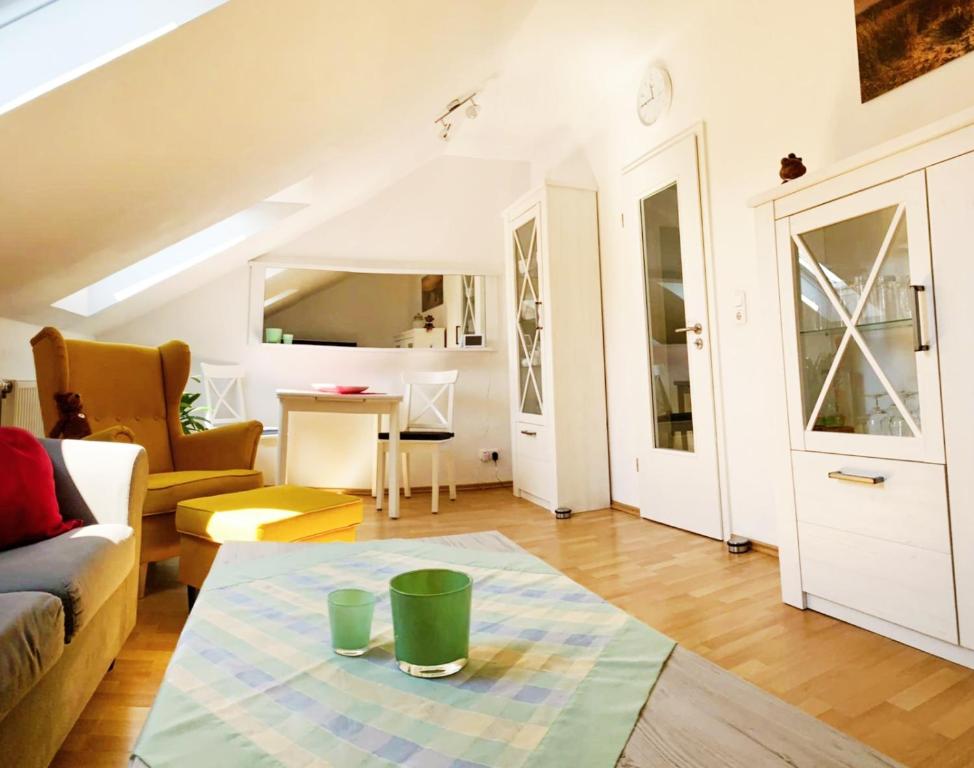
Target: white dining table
{"x": 313, "y": 401}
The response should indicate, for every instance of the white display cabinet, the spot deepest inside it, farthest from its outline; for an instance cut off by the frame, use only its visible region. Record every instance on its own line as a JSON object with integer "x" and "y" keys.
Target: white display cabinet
{"x": 558, "y": 412}
{"x": 870, "y": 274}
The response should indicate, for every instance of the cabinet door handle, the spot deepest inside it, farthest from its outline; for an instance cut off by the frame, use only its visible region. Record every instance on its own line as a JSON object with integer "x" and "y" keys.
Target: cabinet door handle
{"x": 918, "y": 345}
{"x": 854, "y": 478}
{"x": 529, "y": 434}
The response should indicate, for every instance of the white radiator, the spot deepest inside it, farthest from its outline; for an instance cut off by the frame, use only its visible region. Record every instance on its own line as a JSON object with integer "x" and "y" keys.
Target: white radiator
{"x": 21, "y": 408}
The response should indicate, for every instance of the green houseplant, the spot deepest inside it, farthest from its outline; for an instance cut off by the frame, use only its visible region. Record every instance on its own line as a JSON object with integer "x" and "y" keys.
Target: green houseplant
{"x": 192, "y": 416}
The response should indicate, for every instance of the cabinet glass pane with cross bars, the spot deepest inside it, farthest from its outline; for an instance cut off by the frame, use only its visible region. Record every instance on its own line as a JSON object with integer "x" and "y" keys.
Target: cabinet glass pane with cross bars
{"x": 863, "y": 307}
{"x": 528, "y": 329}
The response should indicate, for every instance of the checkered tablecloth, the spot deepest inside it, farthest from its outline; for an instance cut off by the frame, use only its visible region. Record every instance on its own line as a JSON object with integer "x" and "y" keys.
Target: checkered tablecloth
{"x": 556, "y": 675}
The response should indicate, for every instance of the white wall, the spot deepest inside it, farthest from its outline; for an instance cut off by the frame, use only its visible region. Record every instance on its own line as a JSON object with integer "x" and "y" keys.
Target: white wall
{"x": 330, "y": 449}
{"x": 767, "y": 78}
{"x": 466, "y": 198}
{"x": 16, "y": 360}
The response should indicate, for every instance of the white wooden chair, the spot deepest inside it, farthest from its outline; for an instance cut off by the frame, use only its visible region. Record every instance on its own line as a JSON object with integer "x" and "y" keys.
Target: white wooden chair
{"x": 223, "y": 397}
{"x": 223, "y": 393}
{"x": 429, "y": 428}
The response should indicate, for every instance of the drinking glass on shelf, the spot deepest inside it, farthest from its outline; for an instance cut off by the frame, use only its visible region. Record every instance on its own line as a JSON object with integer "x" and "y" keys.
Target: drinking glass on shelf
{"x": 889, "y": 291}
{"x": 904, "y": 307}
{"x": 897, "y": 424}
{"x": 911, "y": 400}
{"x": 877, "y": 422}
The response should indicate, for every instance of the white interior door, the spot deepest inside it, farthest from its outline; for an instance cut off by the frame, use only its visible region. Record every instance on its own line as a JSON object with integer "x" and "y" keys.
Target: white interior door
{"x": 678, "y": 469}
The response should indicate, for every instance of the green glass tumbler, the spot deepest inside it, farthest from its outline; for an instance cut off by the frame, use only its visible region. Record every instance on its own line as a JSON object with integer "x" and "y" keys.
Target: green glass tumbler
{"x": 350, "y": 616}
{"x": 431, "y": 621}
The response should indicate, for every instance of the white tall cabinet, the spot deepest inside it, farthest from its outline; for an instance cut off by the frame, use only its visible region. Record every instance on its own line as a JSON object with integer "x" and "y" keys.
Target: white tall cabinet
{"x": 871, "y": 269}
{"x": 558, "y": 411}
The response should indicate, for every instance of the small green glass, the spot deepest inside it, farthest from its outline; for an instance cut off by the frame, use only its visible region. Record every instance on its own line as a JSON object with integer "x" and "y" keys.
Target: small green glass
{"x": 350, "y": 616}
{"x": 431, "y": 621}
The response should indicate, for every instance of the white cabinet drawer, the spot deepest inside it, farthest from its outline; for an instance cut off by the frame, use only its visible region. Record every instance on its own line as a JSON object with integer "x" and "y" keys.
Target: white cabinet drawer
{"x": 532, "y": 441}
{"x": 880, "y": 548}
{"x": 909, "y": 506}
{"x": 534, "y": 468}
{"x": 906, "y": 585}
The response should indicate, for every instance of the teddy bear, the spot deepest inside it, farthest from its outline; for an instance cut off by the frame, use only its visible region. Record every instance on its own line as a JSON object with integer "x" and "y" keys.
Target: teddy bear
{"x": 72, "y": 424}
{"x": 791, "y": 168}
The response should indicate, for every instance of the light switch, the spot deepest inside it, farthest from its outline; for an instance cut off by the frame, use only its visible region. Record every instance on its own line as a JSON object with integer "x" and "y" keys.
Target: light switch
{"x": 740, "y": 308}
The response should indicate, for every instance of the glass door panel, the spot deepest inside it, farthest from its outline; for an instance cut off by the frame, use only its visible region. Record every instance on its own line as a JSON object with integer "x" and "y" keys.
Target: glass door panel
{"x": 529, "y": 324}
{"x": 666, "y": 319}
{"x": 855, "y": 321}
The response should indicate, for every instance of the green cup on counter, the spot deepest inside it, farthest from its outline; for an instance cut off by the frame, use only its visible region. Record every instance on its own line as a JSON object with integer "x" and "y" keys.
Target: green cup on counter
{"x": 431, "y": 621}
{"x": 273, "y": 335}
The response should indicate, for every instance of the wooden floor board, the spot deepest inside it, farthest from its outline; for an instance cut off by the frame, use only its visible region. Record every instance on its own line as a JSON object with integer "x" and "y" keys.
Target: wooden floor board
{"x": 911, "y": 706}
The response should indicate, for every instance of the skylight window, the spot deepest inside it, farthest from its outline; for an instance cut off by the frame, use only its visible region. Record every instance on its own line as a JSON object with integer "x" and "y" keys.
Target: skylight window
{"x": 42, "y": 48}
{"x": 13, "y": 10}
{"x": 176, "y": 258}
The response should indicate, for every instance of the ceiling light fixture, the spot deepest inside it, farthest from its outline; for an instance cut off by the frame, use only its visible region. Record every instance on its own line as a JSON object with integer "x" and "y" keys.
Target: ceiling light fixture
{"x": 446, "y": 120}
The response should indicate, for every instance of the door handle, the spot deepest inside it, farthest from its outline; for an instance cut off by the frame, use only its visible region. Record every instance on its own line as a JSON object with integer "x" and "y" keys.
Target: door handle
{"x": 695, "y": 328}
{"x": 918, "y": 345}
{"x": 851, "y": 477}
{"x": 529, "y": 434}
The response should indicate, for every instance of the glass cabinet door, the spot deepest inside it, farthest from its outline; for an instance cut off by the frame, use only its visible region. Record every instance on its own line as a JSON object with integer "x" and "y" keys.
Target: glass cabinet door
{"x": 529, "y": 325}
{"x": 861, "y": 297}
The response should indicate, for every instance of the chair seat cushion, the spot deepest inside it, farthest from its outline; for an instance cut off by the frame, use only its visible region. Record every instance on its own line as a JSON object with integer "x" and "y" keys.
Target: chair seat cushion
{"x": 82, "y": 568}
{"x": 416, "y": 434}
{"x": 31, "y": 642}
{"x": 168, "y": 489}
{"x": 275, "y": 513}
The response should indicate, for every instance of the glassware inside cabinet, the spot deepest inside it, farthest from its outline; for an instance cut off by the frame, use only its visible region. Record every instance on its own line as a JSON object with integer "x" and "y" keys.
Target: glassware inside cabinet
{"x": 855, "y": 326}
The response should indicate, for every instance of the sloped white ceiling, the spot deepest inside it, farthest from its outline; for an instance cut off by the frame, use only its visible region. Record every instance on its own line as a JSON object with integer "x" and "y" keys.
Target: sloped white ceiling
{"x": 445, "y": 213}
{"x": 220, "y": 114}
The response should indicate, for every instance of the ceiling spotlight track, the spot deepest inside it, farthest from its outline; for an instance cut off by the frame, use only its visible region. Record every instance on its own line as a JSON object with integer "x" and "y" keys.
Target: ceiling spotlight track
{"x": 446, "y": 121}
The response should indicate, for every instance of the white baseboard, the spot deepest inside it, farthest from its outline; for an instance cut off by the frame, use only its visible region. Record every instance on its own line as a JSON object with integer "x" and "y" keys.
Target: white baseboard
{"x": 945, "y": 650}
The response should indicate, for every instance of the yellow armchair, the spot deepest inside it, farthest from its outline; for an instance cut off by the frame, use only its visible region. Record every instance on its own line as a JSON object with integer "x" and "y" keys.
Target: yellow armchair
{"x": 131, "y": 394}
{"x": 117, "y": 434}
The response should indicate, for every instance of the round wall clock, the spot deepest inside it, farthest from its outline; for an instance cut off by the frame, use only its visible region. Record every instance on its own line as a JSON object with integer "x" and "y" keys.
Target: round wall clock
{"x": 655, "y": 91}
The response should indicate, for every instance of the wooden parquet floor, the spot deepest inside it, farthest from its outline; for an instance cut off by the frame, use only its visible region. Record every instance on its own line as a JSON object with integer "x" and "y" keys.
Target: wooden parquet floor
{"x": 914, "y": 707}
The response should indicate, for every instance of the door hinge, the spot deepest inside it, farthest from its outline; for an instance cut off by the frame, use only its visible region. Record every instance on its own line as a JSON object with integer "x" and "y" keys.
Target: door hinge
{"x": 622, "y": 218}
{"x": 637, "y": 463}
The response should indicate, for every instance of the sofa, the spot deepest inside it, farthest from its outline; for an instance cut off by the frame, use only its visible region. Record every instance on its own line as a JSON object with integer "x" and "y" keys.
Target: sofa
{"x": 67, "y": 604}
{"x": 132, "y": 392}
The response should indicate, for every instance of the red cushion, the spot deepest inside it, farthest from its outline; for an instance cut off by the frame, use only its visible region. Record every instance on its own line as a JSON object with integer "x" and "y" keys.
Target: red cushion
{"x": 28, "y": 505}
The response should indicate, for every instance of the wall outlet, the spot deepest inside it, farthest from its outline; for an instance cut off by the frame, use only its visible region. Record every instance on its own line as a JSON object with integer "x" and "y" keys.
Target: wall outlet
{"x": 489, "y": 454}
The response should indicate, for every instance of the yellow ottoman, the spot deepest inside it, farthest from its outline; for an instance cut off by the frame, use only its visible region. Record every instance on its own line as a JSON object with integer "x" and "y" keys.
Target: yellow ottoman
{"x": 274, "y": 513}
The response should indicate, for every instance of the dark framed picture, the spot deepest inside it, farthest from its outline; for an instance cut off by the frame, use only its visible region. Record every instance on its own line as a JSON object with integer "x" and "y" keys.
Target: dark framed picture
{"x": 432, "y": 288}
{"x": 899, "y": 40}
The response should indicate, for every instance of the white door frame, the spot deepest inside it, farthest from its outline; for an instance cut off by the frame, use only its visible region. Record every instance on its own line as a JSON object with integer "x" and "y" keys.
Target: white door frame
{"x": 698, "y": 131}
